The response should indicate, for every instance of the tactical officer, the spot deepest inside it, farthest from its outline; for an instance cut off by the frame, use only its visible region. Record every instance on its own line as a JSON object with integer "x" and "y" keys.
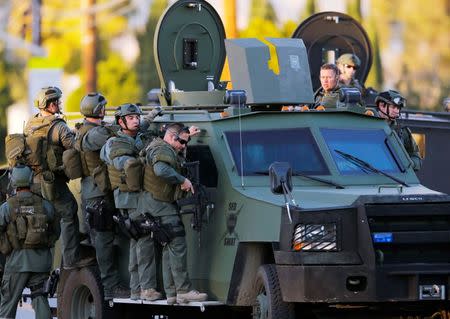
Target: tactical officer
{"x": 389, "y": 104}
{"x": 120, "y": 153}
{"x": 48, "y": 136}
{"x": 29, "y": 227}
{"x": 99, "y": 200}
{"x": 163, "y": 184}
{"x": 327, "y": 96}
{"x": 348, "y": 64}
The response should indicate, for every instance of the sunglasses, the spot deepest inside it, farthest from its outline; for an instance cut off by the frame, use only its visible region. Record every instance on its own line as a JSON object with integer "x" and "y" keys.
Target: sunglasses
{"x": 182, "y": 141}
{"x": 348, "y": 66}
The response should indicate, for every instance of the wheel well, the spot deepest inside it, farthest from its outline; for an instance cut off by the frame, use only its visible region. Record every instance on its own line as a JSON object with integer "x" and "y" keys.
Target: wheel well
{"x": 249, "y": 256}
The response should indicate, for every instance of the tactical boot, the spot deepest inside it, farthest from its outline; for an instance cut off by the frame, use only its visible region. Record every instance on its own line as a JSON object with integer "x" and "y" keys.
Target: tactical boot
{"x": 171, "y": 300}
{"x": 135, "y": 295}
{"x": 150, "y": 294}
{"x": 192, "y": 295}
{"x": 119, "y": 291}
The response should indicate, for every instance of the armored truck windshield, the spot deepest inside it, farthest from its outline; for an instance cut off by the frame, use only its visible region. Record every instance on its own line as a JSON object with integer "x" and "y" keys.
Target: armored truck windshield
{"x": 344, "y": 154}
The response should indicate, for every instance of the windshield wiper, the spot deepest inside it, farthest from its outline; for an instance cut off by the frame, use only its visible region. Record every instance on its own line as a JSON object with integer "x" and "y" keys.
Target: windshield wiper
{"x": 317, "y": 179}
{"x": 368, "y": 167}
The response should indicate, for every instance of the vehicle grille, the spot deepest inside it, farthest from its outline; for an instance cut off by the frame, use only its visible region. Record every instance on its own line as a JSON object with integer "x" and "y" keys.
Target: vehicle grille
{"x": 410, "y": 233}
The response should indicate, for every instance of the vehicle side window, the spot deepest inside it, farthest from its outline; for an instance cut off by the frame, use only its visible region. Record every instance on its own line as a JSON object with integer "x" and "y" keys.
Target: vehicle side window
{"x": 208, "y": 169}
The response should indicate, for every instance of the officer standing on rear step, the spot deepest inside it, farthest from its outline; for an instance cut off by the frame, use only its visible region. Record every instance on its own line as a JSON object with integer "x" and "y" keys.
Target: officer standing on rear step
{"x": 29, "y": 228}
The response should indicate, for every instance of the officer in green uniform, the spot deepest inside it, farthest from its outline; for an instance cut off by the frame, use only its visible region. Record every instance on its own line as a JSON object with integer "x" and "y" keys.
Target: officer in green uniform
{"x": 389, "y": 104}
{"x": 163, "y": 184}
{"x": 49, "y": 135}
{"x": 348, "y": 64}
{"x": 327, "y": 96}
{"x": 120, "y": 153}
{"x": 90, "y": 138}
{"x": 29, "y": 228}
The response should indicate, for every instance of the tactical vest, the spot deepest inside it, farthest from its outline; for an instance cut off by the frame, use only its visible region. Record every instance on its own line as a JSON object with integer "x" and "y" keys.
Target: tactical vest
{"x": 89, "y": 159}
{"x": 129, "y": 178}
{"x": 158, "y": 187}
{"x": 39, "y": 152}
{"x": 29, "y": 224}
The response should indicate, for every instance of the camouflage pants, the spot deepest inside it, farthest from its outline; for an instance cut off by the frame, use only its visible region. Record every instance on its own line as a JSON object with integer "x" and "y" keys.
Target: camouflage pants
{"x": 11, "y": 291}
{"x": 174, "y": 260}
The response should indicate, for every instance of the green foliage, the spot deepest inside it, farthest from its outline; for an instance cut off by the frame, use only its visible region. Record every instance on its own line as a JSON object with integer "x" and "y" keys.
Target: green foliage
{"x": 117, "y": 81}
{"x": 354, "y": 9}
{"x": 375, "y": 77}
{"x": 145, "y": 66}
{"x": 288, "y": 29}
{"x": 259, "y": 27}
{"x": 263, "y": 9}
{"x": 309, "y": 9}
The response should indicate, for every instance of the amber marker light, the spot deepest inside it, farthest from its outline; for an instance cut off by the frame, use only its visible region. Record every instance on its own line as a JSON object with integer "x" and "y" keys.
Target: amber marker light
{"x": 224, "y": 114}
{"x": 320, "y": 108}
{"x": 369, "y": 113}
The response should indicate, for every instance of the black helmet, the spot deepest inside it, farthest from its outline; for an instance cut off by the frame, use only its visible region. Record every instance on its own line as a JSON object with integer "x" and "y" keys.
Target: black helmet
{"x": 21, "y": 176}
{"x": 92, "y": 105}
{"x": 391, "y": 97}
{"x": 45, "y": 95}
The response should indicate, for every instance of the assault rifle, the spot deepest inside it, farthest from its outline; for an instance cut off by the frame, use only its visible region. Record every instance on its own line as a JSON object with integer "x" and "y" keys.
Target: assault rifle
{"x": 198, "y": 204}
{"x": 52, "y": 283}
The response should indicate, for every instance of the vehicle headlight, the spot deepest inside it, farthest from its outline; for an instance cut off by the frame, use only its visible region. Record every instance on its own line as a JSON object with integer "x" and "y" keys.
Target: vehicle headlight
{"x": 315, "y": 237}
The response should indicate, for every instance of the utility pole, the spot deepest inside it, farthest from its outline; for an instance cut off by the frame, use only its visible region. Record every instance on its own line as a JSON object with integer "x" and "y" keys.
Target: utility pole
{"x": 36, "y": 22}
{"x": 89, "y": 43}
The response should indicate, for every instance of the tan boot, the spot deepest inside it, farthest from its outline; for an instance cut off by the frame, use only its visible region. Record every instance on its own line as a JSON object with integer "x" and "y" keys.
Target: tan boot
{"x": 192, "y": 295}
{"x": 150, "y": 294}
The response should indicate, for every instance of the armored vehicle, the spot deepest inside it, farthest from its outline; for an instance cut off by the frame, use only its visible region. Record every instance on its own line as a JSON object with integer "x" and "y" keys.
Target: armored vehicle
{"x": 313, "y": 214}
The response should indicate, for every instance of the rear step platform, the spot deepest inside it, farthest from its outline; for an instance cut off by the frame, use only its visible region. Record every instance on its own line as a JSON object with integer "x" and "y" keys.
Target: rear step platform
{"x": 202, "y": 305}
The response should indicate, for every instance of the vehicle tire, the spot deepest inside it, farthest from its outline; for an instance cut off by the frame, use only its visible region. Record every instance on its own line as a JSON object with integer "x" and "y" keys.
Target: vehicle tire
{"x": 268, "y": 303}
{"x": 81, "y": 295}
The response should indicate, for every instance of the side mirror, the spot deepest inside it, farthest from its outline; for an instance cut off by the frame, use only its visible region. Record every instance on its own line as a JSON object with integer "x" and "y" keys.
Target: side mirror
{"x": 280, "y": 173}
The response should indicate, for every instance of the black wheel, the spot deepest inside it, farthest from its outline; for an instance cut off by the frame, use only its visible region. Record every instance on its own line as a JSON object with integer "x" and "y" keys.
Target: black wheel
{"x": 268, "y": 303}
{"x": 80, "y": 295}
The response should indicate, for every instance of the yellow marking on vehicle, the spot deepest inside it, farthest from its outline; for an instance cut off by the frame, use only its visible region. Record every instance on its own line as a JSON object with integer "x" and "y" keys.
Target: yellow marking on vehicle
{"x": 273, "y": 63}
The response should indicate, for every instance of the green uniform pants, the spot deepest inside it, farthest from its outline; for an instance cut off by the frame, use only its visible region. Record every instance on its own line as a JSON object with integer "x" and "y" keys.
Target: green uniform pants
{"x": 142, "y": 264}
{"x": 11, "y": 291}
{"x": 66, "y": 207}
{"x": 104, "y": 250}
{"x": 174, "y": 261}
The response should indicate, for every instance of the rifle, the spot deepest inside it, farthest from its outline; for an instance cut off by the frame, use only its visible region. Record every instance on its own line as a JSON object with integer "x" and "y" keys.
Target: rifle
{"x": 198, "y": 204}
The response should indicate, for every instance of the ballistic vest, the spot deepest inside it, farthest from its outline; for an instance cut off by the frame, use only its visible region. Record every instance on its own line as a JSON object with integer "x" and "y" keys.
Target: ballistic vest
{"x": 29, "y": 223}
{"x": 160, "y": 151}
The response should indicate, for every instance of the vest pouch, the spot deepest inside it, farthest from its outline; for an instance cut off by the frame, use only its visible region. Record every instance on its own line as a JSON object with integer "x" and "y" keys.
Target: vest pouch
{"x": 34, "y": 153}
{"x": 48, "y": 186}
{"x": 101, "y": 177}
{"x": 13, "y": 236}
{"x": 179, "y": 194}
{"x": 37, "y": 231}
{"x": 21, "y": 225}
{"x": 55, "y": 158}
{"x": 72, "y": 163}
{"x": 5, "y": 245}
{"x": 14, "y": 148}
{"x": 134, "y": 174}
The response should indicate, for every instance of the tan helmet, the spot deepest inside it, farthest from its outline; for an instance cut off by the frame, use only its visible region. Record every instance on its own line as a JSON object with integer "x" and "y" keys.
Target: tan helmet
{"x": 46, "y": 95}
{"x": 92, "y": 105}
{"x": 349, "y": 59}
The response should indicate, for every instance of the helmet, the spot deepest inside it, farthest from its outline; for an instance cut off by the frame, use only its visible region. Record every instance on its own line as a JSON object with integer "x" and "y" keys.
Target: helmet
{"x": 127, "y": 109}
{"x": 92, "y": 105}
{"x": 21, "y": 176}
{"x": 45, "y": 95}
{"x": 391, "y": 97}
{"x": 350, "y": 59}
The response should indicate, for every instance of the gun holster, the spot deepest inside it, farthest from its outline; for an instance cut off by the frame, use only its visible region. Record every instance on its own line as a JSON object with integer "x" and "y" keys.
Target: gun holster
{"x": 127, "y": 226}
{"x": 99, "y": 216}
{"x": 159, "y": 232}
